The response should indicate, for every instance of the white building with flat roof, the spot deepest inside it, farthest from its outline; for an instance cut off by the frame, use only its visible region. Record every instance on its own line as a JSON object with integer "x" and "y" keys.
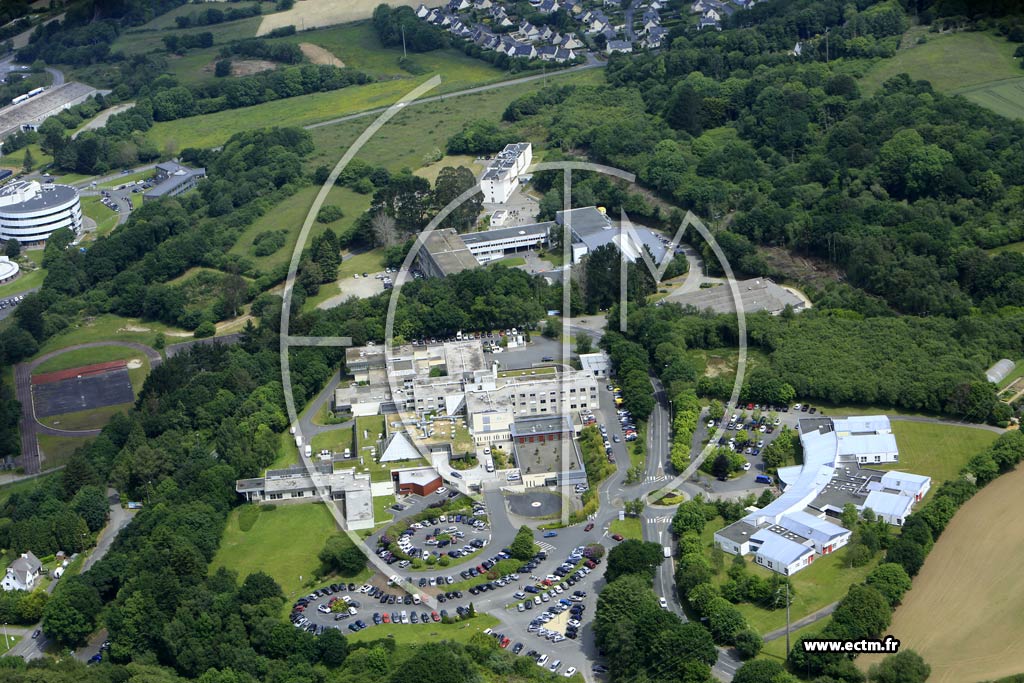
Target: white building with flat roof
{"x": 831, "y": 476}
{"x": 30, "y": 212}
{"x": 501, "y": 178}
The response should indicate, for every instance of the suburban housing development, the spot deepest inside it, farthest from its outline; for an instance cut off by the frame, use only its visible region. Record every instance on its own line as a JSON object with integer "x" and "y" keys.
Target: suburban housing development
{"x": 790, "y": 532}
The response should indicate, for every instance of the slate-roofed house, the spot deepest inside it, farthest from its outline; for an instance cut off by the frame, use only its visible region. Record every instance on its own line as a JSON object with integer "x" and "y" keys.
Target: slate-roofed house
{"x": 22, "y": 574}
{"x": 569, "y": 41}
{"x": 655, "y": 37}
{"x": 548, "y": 6}
{"x": 422, "y": 11}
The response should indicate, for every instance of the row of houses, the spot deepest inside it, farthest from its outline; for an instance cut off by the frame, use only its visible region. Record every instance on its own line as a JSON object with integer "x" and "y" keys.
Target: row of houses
{"x": 712, "y": 12}
{"x": 526, "y": 42}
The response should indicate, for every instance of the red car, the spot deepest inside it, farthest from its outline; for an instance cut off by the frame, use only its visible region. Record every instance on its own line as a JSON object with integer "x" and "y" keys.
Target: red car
{"x": 505, "y": 642}
{"x": 588, "y": 527}
{"x": 435, "y": 616}
{"x": 386, "y": 618}
{"x": 617, "y": 537}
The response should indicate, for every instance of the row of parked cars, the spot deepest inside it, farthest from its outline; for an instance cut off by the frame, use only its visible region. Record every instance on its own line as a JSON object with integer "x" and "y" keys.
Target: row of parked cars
{"x": 452, "y": 532}
{"x": 11, "y": 302}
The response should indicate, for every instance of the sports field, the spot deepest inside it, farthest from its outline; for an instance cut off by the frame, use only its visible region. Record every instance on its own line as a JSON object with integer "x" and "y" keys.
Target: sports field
{"x": 283, "y": 542}
{"x": 965, "y": 612}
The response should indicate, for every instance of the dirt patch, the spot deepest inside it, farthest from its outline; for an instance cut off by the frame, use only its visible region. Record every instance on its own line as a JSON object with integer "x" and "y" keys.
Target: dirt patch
{"x": 244, "y": 67}
{"x": 307, "y": 14}
{"x": 717, "y": 365}
{"x": 965, "y": 613}
{"x": 799, "y": 268}
{"x": 319, "y": 55}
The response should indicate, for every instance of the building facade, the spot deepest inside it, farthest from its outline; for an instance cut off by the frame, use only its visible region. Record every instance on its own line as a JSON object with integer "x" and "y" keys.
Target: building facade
{"x": 501, "y": 178}
{"x": 172, "y": 179}
{"x": 22, "y": 574}
{"x": 30, "y": 212}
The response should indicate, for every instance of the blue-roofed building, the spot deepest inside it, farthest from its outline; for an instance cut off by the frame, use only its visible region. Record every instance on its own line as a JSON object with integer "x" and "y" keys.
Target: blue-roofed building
{"x": 172, "y": 179}
{"x": 815, "y": 493}
{"x": 592, "y": 229}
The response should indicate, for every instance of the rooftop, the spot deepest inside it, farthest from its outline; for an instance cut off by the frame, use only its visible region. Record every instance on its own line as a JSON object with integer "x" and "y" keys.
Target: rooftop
{"x": 447, "y": 249}
{"x": 421, "y": 476}
{"x": 506, "y": 233}
{"x": 546, "y": 424}
{"x": 176, "y": 175}
{"x": 23, "y": 196}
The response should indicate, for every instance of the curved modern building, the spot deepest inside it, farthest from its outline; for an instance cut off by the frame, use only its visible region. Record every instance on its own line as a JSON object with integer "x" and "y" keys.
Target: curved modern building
{"x": 30, "y": 212}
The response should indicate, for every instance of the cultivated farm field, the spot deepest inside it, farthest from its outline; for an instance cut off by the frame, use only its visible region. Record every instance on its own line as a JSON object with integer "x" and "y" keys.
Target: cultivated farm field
{"x": 965, "y": 612}
{"x": 307, "y": 14}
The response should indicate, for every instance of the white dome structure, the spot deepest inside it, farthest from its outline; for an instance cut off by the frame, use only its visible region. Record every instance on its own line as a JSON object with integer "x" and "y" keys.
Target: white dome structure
{"x": 30, "y": 212}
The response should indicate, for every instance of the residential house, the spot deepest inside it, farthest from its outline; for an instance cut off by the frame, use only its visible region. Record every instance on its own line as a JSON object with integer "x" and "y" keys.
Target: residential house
{"x": 623, "y": 46}
{"x": 655, "y": 37}
{"x": 22, "y": 574}
{"x": 422, "y": 11}
{"x": 458, "y": 5}
{"x": 550, "y": 53}
{"x": 569, "y": 41}
{"x": 482, "y": 4}
{"x": 548, "y": 6}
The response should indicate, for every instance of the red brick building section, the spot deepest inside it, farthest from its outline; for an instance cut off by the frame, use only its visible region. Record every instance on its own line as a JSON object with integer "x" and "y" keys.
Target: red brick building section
{"x": 421, "y": 481}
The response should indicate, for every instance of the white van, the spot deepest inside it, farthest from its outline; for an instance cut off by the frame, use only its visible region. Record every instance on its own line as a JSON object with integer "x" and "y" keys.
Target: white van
{"x": 416, "y": 599}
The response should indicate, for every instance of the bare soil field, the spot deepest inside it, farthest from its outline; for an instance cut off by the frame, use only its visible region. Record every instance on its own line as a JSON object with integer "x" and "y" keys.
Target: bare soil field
{"x": 244, "y": 67}
{"x": 307, "y": 14}
{"x": 965, "y": 613}
{"x": 319, "y": 55}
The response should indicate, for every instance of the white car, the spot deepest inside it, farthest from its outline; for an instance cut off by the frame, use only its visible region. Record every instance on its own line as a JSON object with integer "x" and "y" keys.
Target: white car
{"x": 542, "y": 660}
{"x": 570, "y": 672}
{"x": 746, "y": 467}
{"x": 711, "y": 423}
{"x": 663, "y": 602}
{"x": 323, "y": 609}
{"x": 443, "y": 490}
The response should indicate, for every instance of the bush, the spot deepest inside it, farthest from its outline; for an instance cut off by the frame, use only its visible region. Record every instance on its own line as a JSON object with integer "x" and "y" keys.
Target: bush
{"x": 205, "y": 329}
{"x": 329, "y": 214}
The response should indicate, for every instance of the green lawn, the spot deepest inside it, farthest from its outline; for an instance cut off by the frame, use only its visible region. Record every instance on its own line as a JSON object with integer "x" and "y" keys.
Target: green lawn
{"x": 1017, "y": 247}
{"x": 9, "y": 642}
{"x": 820, "y": 584}
{"x": 138, "y": 42}
{"x": 512, "y": 261}
{"x": 938, "y": 451}
{"x": 357, "y": 45}
{"x": 108, "y": 327}
{"x": 106, "y": 218}
{"x": 283, "y": 542}
{"x": 415, "y": 634}
{"x": 1016, "y": 373}
{"x": 776, "y": 649}
{"x": 382, "y": 513}
{"x": 369, "y": 262}
{"x": 79, "y": 357}
{"x": 26, "y": 280}
{"x": 289, "y": 215}
{"x": 416, "y": 133}
{"x": 630, "y": 527}
{"x": 288, "y": 454}
{"x": 16, "y": 160}
{"x": 336, "y": 440}
{"x": 168, "y": 19}
{"x": 94, "y": 418}
{"x": 950, "y": 62}
{"x": 127, "y": 178}
{"x": 57, "y": 449}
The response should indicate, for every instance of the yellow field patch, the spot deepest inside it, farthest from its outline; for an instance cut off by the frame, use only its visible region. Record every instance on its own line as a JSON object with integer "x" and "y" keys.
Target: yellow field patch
{"x": 965, "y": 613}
{"x": 307, "y": 14}
{"x": 319, "y": 55}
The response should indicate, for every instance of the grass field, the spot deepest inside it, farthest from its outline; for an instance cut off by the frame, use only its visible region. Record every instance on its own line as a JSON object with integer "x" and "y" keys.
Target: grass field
{"x": 336, "y": 440}
{"x": 79, "y": 357}
{"x": 138, "y": 42}
{"x": 950, "y": 62}
{"x": 1016, "y": 247}
{"x": 1014, "y": 374}
{"x": 1005, "y": 98}
{"x": 938, "y": 451}
{"x": 112, "y": 327}
{"x": 289, "y": 214}
{"x": 776, "y": 649}
{"x": 965, "y": 612}
{"x": 823, "y": 582}
{"x": 415, "y": 634}
{"x": 630, "y": 527}
{"x": 57, "y": 449}
{"x": 26, "y": 281}
{"x": 16, "y": 160}
{"x": 9, "y": 642}
{"x": 413, "y": 134}
{"x": 94, "y": 418}
{"x": 283, "y": 542}
{"x": 106, "y": 219}
{"x": 168, "y": 19}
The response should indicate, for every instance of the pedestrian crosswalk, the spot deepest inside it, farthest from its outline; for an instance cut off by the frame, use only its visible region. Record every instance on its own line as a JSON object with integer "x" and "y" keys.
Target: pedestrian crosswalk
{"x": 546, "y": 547}
{"x": 652, "y": 479}
{"x": 660, "y": 520}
